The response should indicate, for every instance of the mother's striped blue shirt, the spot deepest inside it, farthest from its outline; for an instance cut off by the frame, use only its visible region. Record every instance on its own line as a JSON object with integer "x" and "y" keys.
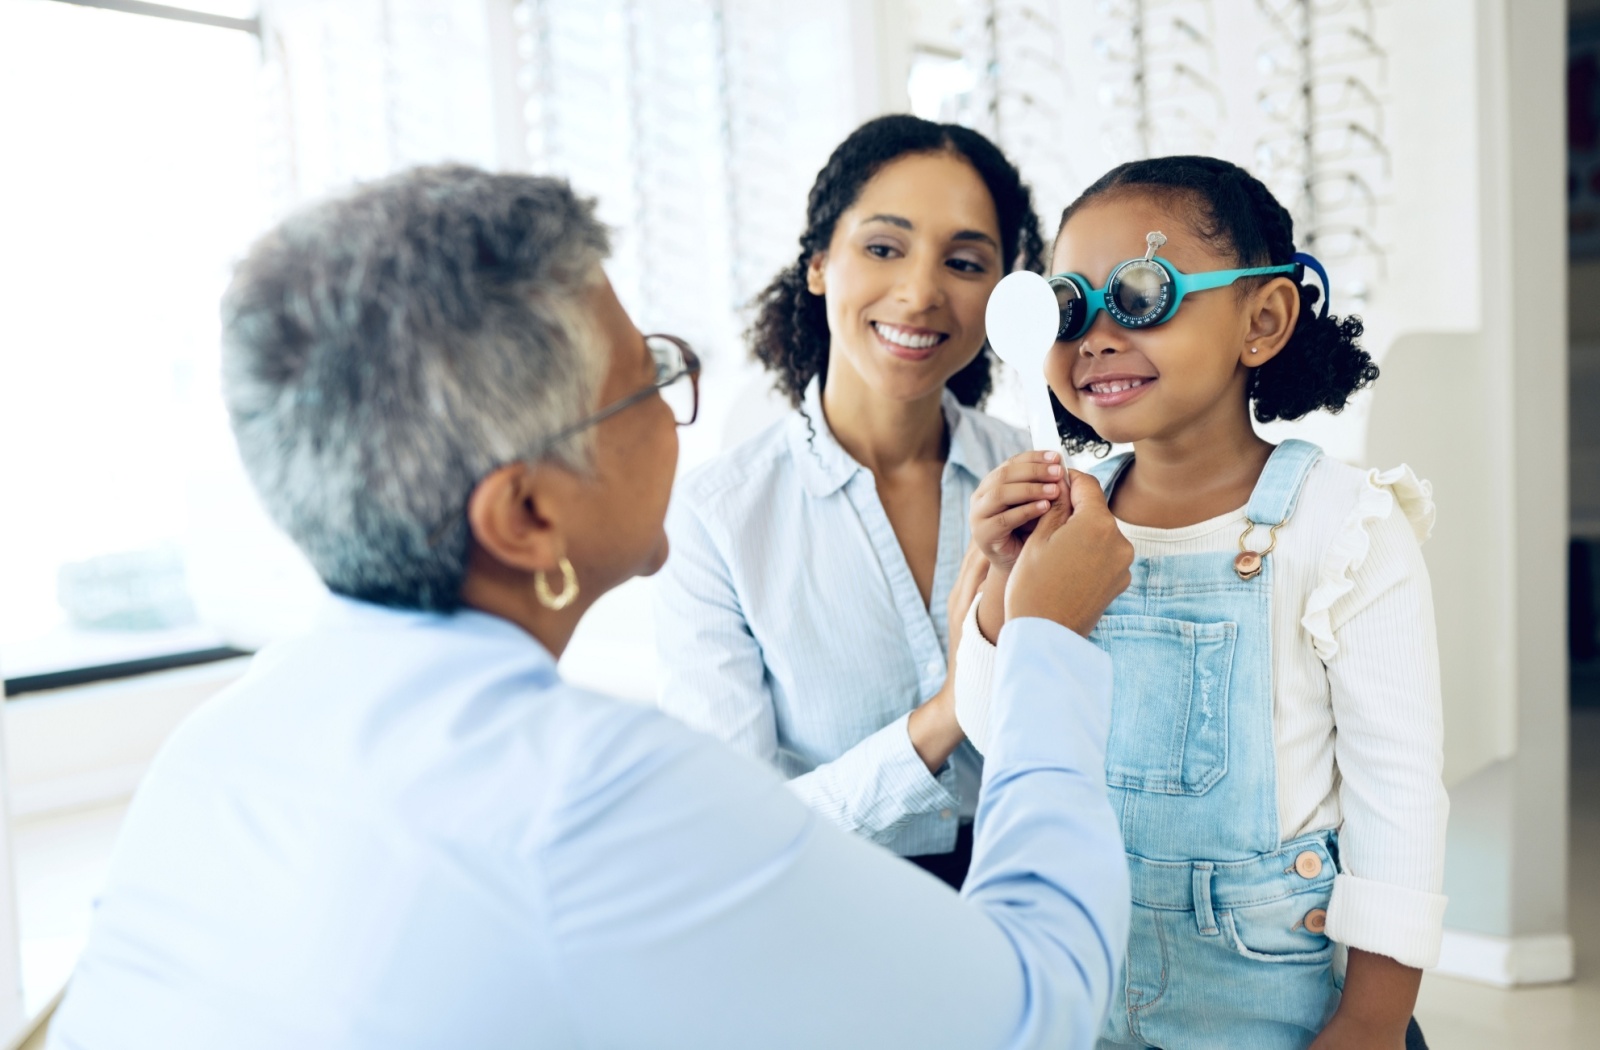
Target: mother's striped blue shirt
{"x": 790, "y": 626}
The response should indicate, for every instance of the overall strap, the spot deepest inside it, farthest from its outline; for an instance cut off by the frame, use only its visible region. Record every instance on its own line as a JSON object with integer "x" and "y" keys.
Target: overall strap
{"x": 1278, "y": 489}
{"x": 1107, "y": 471}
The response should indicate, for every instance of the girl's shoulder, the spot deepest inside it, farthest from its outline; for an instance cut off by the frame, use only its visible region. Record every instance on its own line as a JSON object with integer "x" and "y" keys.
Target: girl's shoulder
{"x": 1345, "y": 508}
{"x": 1340, "y": 498}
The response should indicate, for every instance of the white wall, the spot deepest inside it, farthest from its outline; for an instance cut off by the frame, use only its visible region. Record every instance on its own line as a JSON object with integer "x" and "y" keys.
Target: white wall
{"x": 1486, "y": 412}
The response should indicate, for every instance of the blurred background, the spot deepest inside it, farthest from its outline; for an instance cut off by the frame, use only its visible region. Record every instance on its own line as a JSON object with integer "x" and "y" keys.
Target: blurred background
{"x": 1420, "y": 144}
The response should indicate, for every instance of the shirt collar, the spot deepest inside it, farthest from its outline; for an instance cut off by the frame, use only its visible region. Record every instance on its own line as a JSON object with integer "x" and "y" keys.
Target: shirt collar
{"x": 825, "y": 466}
{"x": 339, "y": 611}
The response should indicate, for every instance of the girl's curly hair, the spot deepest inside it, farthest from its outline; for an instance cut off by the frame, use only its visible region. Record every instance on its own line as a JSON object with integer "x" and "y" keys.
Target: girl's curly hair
{"x": 790, "y": 332}
{"x": 1322, "y": 364}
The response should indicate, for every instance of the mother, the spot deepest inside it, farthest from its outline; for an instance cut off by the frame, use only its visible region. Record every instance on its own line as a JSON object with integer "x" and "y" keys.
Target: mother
{"x": 803, "y": 616}
{"x": 404, "y": 830}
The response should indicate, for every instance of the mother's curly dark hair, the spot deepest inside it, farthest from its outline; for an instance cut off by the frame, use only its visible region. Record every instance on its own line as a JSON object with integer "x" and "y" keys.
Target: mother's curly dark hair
{"x": 1322, "y": 364}
{"x": 790, "y": 331}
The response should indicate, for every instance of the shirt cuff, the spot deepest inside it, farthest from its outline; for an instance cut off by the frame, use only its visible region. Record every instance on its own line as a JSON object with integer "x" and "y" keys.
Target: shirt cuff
{"x": 888, "y": 782}
{"x": 1404, "y": 924}
{"x": 974, "y": 681}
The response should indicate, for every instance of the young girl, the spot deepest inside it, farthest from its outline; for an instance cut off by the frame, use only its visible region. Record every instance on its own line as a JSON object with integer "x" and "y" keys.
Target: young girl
{"x": 1276, "y": 741}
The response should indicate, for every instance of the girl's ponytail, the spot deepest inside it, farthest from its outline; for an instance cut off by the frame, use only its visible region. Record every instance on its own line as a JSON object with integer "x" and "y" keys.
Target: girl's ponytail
{"x": 1323, "y": 363}
{"x": 1319, "y": 368}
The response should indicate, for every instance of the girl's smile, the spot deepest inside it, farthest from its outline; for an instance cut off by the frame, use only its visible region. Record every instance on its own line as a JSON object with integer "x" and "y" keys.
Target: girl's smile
{"x": 1113, "y": 389}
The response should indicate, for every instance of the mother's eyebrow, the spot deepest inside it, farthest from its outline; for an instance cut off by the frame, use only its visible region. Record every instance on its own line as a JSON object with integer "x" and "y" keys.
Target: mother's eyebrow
{"x": 975, "y": 235}
{"x": 906, "y": 224}
{"x": 892, "y": 220}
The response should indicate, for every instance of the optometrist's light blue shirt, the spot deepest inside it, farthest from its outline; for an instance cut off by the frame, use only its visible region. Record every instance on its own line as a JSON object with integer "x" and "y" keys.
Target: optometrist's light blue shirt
{"x": 790, "y": 626}
{"x": 404, "y": 830}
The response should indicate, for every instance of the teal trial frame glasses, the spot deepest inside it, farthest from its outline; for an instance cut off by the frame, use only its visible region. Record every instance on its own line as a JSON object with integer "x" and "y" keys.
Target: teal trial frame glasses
{"x": 1144, "y": 292}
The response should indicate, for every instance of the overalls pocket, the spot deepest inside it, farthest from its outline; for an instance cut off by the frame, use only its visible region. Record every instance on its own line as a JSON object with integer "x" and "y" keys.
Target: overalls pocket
{"x": 1277, "y": 931}
{"x": 1169, "y": 702}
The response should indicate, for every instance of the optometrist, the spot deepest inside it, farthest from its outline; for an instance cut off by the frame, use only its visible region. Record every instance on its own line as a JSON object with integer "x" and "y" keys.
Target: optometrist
{"x": 403, "y": 829}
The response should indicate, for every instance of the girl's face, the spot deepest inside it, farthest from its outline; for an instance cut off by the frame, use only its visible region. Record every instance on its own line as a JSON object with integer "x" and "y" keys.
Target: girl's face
{"x": 907, "y": 276}
{"x": 1159, "y": 382}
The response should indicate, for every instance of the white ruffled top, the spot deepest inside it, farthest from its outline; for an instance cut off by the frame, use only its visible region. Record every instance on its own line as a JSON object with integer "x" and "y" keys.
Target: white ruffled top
{"x": 1357, "y": 721}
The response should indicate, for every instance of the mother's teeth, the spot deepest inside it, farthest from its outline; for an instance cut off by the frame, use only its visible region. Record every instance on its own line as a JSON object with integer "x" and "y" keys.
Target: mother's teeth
{"x": 1115, "y": 387}
{"x": 901, "y": 337}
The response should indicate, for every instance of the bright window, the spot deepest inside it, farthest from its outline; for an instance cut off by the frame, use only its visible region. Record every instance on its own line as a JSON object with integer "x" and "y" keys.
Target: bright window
{"x": 133, "y": 177}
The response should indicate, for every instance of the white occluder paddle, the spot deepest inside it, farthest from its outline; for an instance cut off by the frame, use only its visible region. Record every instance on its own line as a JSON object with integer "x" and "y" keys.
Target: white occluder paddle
{"x": 1022, "y": 319}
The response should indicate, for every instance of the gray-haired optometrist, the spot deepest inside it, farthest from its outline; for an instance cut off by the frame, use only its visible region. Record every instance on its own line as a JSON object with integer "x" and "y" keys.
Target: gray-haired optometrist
{"x": 404, "y": 830}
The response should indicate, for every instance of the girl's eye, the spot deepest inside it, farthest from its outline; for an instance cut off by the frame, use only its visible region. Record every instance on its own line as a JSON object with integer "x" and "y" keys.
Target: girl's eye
{"x": 881, "y": 251}
{"x": 964, "y": 265}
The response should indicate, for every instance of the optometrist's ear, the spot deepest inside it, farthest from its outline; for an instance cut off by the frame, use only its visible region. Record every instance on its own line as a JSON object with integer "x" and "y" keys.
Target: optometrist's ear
{"x": 517, "y": 519}
{"x": 815, "y": 282}
{"x": 1273, "y": 310}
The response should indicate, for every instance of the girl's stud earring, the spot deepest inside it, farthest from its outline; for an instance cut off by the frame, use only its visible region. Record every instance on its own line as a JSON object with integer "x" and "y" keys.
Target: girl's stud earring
{"x": 1253, "y": 350}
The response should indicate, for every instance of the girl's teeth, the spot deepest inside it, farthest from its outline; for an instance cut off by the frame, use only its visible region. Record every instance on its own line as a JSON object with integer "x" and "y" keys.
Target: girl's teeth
{"x": 901, "y": 337}
{"x": 1116, "y": 387}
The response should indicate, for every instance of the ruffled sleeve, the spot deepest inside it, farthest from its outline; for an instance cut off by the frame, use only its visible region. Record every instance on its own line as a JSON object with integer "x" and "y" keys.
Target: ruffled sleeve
{"x": 1381, "y": 492}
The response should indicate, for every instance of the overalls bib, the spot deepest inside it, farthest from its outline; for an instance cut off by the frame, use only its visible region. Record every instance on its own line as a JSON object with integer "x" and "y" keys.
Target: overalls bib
{"x": 1227, "y": 946}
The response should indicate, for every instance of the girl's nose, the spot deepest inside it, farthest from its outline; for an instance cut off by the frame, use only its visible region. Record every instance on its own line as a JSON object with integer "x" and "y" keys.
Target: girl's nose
{"x": 1104, "y": 333}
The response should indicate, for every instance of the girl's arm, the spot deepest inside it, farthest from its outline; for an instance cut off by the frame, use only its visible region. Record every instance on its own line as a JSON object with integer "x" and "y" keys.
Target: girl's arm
{"x": 1372, "y": 623}
{"x": 973, "y": 673}
{"x": 714, "y": 679}
{"x": 1381, "y": 994}
{"x": 1004, "y": 508}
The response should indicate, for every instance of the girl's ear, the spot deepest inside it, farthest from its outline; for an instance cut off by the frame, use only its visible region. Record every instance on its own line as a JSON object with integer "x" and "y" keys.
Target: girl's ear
{"x": 1274, "y": 310}
{"x": 815, "y": 283}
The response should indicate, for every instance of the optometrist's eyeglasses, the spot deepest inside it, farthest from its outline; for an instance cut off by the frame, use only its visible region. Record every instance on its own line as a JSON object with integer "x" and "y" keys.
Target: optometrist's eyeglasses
{"x": 1144, "y": 292}
{"x": 677, "y": 382}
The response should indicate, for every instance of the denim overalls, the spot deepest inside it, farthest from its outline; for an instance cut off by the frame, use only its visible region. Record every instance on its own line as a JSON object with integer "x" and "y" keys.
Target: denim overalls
{"x": 1227, "y": 946}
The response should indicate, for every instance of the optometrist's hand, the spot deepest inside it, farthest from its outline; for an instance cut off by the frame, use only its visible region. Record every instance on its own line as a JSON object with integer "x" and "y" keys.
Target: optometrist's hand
{"x": 1074, "y": 563}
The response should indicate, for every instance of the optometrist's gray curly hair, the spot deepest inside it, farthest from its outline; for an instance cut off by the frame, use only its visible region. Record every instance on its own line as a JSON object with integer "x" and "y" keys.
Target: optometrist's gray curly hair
{"x": 384, "y": 350}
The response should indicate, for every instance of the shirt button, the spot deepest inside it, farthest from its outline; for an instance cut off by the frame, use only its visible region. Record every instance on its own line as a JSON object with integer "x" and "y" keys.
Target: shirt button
{"x": 934, "y": 667}
{"x": 945, "y": 814}
{"x": 1308, "y": 865}
{"x": 1316, "y": 920}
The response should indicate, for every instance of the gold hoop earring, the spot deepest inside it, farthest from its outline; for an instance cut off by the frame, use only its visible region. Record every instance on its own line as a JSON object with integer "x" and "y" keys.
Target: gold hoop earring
{"x": 569, "y": 588}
